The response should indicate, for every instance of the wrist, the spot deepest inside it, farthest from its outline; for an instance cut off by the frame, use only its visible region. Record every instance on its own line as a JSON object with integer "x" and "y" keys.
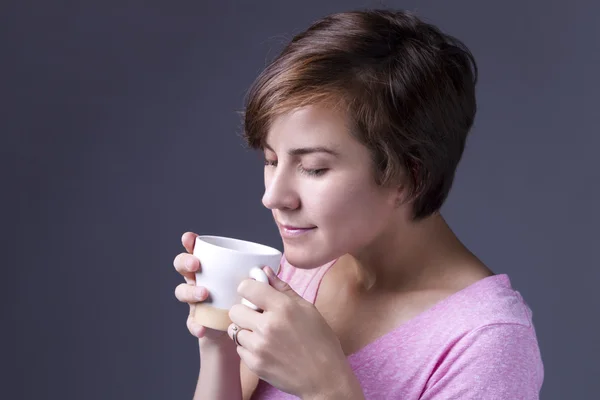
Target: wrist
{"x": 221, "y": 345}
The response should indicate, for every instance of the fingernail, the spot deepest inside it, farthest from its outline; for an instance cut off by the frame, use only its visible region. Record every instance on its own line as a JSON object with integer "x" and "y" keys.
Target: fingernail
{"x": 269, "y": 272}
{"x": 199, "y": 293}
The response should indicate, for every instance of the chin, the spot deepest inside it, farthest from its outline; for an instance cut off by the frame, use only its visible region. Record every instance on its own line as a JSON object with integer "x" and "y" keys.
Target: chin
{"x": 307, "y": 258}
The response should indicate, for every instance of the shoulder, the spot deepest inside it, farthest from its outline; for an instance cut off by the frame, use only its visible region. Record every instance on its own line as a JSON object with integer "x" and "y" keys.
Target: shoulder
{"x": 489, "y": 301}
{"x": 493, "y": 350}
{"x": 499, "y": 361}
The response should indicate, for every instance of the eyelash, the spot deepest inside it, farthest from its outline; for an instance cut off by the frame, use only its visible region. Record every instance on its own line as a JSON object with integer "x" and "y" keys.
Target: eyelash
{"x": 309, "y": 172}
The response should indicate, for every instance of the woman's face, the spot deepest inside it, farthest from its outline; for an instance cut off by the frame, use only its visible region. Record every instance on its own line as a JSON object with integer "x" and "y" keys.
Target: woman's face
{"x": 320, "y": 186}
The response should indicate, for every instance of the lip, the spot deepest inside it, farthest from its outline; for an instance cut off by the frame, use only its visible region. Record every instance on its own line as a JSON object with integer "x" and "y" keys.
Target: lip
{"x": 289, "y": 233}
{"x": 292, "y": 227}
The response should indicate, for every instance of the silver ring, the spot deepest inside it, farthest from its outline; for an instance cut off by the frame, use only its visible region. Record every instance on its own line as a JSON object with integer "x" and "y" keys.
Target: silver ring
{"x": 236, "y": 330}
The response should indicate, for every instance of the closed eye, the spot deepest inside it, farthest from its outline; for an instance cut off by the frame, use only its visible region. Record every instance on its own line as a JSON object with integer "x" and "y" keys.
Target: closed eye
{"x": 305, "y": 171}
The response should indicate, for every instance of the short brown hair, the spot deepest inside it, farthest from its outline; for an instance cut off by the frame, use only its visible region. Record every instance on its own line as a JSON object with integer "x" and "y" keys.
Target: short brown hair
{"x": 407, "y": 88}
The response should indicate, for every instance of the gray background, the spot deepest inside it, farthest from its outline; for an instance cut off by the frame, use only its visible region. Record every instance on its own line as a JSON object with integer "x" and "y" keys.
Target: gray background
{"x": 119, "y": 133}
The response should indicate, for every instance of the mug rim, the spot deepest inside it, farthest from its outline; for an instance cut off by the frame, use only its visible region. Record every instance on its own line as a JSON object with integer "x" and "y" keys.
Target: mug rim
{"x": 264, "y": 249}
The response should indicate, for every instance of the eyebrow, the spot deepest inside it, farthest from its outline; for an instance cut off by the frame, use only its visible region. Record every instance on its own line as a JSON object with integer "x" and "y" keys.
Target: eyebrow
{"x": 307, "y": 150}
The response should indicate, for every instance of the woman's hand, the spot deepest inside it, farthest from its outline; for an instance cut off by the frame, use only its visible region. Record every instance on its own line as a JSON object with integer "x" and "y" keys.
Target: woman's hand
{"x": 289, "y": 344}
{"x": 187, "y": 265}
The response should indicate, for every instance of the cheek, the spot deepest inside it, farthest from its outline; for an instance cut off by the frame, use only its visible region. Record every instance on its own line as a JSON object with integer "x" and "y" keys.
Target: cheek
{"x": 348, "y": 205}
{"x": 352, "y": 222}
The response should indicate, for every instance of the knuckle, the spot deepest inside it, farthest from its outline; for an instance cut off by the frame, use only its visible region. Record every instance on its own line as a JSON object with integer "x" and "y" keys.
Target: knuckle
{"x": 186, "y": 263}
{"x": 256, "y": 364}
{"x": 179, "y": 291}
{"x": 263, "y": 325}
{"x": 190, "y": 325}
{"x": 186, "y": 293}
{"x": 178, "y": 262}
{"x": 193, "y": 327}
{"x": 269, "y": 329}
{"x": 286, "y": 307}
{"x": 189, "y": 262}
{"x": 234, "y": 310}
{"x": 260, "y": 347}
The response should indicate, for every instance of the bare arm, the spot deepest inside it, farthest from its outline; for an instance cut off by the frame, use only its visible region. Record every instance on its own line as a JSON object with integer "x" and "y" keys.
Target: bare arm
{"x": 219, "y": 372}
{"x": 222, "y": 374}
{"x": 249, "y": 381}
{"x": 222, "y": 369}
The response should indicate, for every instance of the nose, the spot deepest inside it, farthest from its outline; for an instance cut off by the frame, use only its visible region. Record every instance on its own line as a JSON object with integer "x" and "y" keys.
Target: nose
{"x": 280, "y": 192}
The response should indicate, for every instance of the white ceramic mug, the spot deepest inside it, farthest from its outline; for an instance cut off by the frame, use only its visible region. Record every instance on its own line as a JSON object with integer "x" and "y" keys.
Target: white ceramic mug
{"x": 224, "y": 264}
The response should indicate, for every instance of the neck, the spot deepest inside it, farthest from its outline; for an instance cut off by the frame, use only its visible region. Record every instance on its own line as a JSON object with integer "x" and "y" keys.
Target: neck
{"x": 409, "y": 256}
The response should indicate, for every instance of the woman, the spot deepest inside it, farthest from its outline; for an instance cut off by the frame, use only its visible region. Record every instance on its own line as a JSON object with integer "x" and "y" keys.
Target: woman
{"x": 363, "y": 120}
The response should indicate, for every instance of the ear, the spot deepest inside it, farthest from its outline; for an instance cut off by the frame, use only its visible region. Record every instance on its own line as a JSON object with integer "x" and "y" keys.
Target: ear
{"x": 401, "y": 195}
{"x": 406, "y": 191}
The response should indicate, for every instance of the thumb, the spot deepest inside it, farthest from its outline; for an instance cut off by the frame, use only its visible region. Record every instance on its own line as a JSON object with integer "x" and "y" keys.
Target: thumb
{"x": 278, "y": 284}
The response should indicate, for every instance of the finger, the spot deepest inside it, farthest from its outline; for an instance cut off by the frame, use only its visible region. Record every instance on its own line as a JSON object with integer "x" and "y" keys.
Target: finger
{"x": 261, "y": 294}
{"x": 195, "y": 329}
{"x": 188, "y": 240}
{"x": 249, "y": 359}
{"x": 245, "y": 317}
{"x": 189, "y": 293}
{"x": 187, "y": 265}
{"x": 278, "y": 284}
{"x": 244, "y": 336}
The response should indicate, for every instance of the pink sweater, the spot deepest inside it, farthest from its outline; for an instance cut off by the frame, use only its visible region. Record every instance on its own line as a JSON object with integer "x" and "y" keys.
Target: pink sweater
{"x": 479, "y": 343}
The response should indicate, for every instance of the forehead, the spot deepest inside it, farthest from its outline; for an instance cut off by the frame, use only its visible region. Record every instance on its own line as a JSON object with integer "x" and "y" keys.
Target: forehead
{"x": 309, "y": 125}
